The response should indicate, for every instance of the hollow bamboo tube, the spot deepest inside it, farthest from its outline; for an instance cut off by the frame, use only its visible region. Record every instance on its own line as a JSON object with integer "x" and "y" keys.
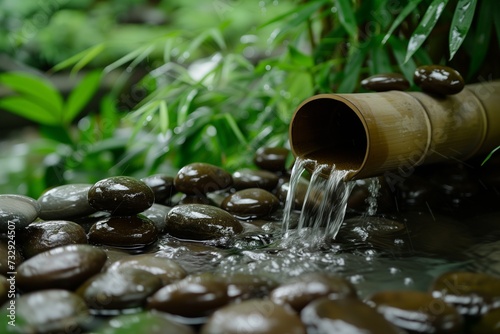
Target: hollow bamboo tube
{"x": 373, "y": 133}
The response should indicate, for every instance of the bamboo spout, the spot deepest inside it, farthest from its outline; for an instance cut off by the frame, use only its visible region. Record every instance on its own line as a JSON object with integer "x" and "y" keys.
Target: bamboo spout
{"x": 372, "y": 133}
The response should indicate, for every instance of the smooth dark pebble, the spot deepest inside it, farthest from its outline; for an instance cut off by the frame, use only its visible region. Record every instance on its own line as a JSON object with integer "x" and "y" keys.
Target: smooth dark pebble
{"x": 41, "y": 236}
{"x": 127, "y": 232}
{"x": 301, "y": 290}
{"x": 48, "y": 311}
{"x": 162, "y": 186}
{"x": 386, "y": 82}
{"x": 167, "y": 270}
{"x": 326, "y": 316}
{"x": 88, "y": 221}
{"x": 123, "y": 288}
{"x": 472, "y": 294}
{"x": 17, "y": 212}
{"x": 194, "y": 199}
{"x": 417, "y": 311}
{"x": 257, "y": 316}
{"x": 299, "y": 193}
{"x": 250, "y": 203}
{"x": 143, "y": 322}
{"x": 271, "y": 158}
{"x": 201, "y": 222}
{"x": 65, "y": 202}
{"x": 157, "y": 213}
{"x": 488, "y": 324}
{"x": 247, "y": 286}
{"x": 192, "y": 297}
{"x": 438, "y": 79}
{"x": 64, "y": 267}
{"x": 200, "y": 178}
{"x": 121, "y": 195}
{"x": 250, "y": 178}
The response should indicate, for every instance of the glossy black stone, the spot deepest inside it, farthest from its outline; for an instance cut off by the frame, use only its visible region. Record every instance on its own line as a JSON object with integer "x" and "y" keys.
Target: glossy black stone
{"x": 121, "y": 195}
{"x": 17, "y": 212}
{"x": 66, "y": 201}
{"x": 386, "y": 82}
{"x": 249, "y": 178}
{"x": 251, "y": 203}
{"x": 201, "y": 222}
{"x": 438, "y": 79}
{"x": 162, "y": 186}
{"x": 128, "y": 232}
{"x": 271, "y": 158}
{"x": 201, "y": 178}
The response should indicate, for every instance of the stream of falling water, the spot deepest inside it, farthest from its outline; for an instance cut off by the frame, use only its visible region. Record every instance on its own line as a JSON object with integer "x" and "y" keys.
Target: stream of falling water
{"x": 325, "y": 201}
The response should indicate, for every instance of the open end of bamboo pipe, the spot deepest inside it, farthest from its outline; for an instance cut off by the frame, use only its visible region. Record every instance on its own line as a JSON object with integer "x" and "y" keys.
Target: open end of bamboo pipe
{"x": 330, "y": 130}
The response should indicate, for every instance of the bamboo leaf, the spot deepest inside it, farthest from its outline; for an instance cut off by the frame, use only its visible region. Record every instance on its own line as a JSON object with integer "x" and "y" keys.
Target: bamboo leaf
{"x": 35, "y": 89}
{"x": 490, "y": 155}
{"x": 80, "y": 59}
{"x": 379, "y": 59}
{"x": 351, "y": 71}
{"x": 81, "y": 95}
{"x": 236, "y": 130}
{"x": 399, "y": 51}
{"x": 410, "y": 7}
{"x": 482, "y": 36}
{"x": 28, "y": 109}
{"x": 346, "y": 17}
{"x": 299, "y": 59}
{"x": 462, "y": 19}
{"x": 164, "y": 123}
{"x": 425, "y": 26}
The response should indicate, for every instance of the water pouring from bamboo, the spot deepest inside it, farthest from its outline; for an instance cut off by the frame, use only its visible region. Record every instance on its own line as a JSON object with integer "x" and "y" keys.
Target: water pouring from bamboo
{"x": 374, "y": 133}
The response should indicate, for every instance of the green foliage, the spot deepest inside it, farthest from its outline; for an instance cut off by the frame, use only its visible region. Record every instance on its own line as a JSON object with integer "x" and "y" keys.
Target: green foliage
{"x": 217, "y": 89}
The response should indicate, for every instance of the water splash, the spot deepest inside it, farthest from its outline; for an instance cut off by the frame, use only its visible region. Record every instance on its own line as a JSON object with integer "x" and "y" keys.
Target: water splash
{"x": 324, "y": 205}
{"x": 374, "y": 191}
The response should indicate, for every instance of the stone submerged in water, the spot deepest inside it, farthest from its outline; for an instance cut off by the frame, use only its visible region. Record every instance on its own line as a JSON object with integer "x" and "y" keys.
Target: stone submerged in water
{"x": 127, "y": 232}
{"x": 167, "y": 270}
{"x": 436, "y": 79}
{"x": 386, "y": 82}
{"x": 349, "y": 315}
{"x": 200, "y": 178}
{"x": 472, "y": 294}
{"x": 64, "y": 202}
{"x": 39, "y": 237}
{"x": 119, "y": 289}
{"x": 417, "y": 311}
{"x": 301, "y": 290}
{"x": 17, "y": 211}
{"x": 47, "y": 311}
{"x": 64, "y": 267}
{"x": 121, "y": 195}
{"x": 254, "y": 316}
{"x": 201, "y": 222}
{"x": 250, "y": 203}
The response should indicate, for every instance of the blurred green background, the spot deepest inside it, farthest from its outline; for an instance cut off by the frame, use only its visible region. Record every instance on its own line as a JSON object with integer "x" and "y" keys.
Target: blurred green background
{"x": 90, "y": 89}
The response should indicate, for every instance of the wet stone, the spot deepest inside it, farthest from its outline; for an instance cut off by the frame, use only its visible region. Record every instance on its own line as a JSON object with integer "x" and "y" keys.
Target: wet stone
{"x": 415, "y": 311}
{"x": 300, "y": 193}
{"x": 201, "y": 178}
{"x": 49, "y": 311}
{"x": 271, "y": 158}
{"x": 5, "y": 265}
{"x": 472, "y": 294}
{"x": 119, "y": 289}
{"x": 256, "y": 316}
{"x": 64, "y": 267}
{"x": 65, "y": 202}
{"x": 143, "y": 322}
{"x": 249, "y": 178}
{"x": 121, "y": 195}
{"x": 301, "y": 290}
{"x": 251, "y": 203}
{"x": 386, "y": 82}
{"x": 194, "y": 199}
{"x": 247, "y": 286}
{"x": 39, "y": 237}
{"x": 162, "y": 186}
{"x": 157, "y": 213}
{"x": 201, "y": 222}
{"x": 128, "y": 232}
{"x": 192, "y": 297}
{"x": 488, "y": 324}
{"x": 167, "y": 270}
{"x": 325, "y": 316}
{"x": 438, "y": 79}
{"x": 17, "y": 211}
{"x": 88, "y": 221}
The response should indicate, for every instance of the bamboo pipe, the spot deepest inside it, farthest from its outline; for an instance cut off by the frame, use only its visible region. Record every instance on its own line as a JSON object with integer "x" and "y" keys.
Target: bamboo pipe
{"x": 373, "y": 133}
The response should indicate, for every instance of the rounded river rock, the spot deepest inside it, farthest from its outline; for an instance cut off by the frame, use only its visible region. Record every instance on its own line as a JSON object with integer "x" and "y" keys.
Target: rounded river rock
{"x": 201, "y": 222}
{"x": 66, "y": 201}
{"x": 201, "y": 178}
